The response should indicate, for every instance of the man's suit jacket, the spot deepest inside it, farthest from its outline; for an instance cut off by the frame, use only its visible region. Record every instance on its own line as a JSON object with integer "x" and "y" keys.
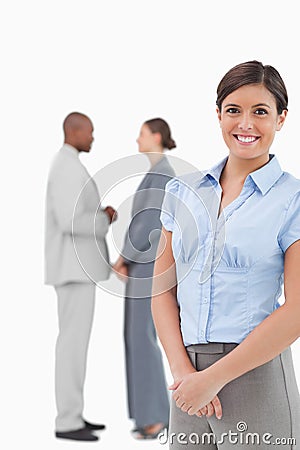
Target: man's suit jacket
{"x": 75, "y": 245}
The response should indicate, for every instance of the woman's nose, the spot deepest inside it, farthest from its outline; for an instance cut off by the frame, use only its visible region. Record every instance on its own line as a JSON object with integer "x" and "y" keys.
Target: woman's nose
{"x": 245, "y": 122}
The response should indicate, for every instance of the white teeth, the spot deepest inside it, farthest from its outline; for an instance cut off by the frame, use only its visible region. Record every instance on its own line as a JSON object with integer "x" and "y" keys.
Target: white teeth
{"x": 246, "y": 138}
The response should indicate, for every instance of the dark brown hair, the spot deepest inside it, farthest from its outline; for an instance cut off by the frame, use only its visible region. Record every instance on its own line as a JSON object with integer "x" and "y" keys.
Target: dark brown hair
{"x": 160, "y": 126}
{"x": 253, "y": 72}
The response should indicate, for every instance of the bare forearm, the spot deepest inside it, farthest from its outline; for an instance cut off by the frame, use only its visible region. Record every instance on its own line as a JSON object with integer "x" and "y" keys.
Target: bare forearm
{"x": 165, "y": 309}
{"x": 264, "y": 343}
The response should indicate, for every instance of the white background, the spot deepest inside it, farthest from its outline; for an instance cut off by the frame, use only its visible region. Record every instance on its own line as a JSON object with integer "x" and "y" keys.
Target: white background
{"x": 120, "y": 62}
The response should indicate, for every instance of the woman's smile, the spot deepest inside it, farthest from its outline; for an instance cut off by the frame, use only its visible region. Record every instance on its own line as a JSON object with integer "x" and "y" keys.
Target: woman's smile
{"x": 246, "y": 139}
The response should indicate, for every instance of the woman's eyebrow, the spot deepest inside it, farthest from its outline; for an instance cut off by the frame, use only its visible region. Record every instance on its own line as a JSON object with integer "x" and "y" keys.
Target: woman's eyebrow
{"x": 261, "y": 104}
{"x": 254, "y": 106}
{"x": 231, "y": 104}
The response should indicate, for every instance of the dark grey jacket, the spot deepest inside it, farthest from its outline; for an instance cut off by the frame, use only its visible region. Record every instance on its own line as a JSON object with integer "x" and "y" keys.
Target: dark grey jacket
{"x": 142, "y": 237}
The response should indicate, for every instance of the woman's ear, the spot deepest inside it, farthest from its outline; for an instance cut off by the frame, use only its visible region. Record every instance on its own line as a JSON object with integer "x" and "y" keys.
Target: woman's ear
{"x": 281, "y": 119}
{"x": 158, "y": 138}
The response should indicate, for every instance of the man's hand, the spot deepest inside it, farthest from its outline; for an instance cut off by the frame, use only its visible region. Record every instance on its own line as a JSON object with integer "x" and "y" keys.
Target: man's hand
{"x": 112, "y": 213}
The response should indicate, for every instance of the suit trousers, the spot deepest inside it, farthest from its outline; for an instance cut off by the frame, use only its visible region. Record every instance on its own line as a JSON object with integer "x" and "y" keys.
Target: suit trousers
{"x": 76, "y": 303}
{"x": 261, "y": 409}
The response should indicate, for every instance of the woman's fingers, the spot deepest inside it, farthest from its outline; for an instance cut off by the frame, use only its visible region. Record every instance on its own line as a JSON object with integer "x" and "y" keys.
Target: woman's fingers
{"x": 217, "y": 407}
{"x": 173, "y": 387}
{"x": 179, "y": 403}
{"x": 184, "y": 407}
{"x": 214, "y": 407}
{"x": 210, "y": 410}
{"x": 204, "y": 410}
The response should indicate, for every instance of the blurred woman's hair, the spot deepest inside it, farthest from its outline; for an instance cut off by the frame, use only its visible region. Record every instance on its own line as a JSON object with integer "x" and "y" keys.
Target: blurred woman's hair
{"x": 160, "y": 126}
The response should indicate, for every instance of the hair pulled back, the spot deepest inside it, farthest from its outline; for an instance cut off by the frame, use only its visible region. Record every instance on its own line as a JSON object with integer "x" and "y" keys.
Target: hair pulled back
{"x": 160, "y": 126}
{"x": 253, "y": 72}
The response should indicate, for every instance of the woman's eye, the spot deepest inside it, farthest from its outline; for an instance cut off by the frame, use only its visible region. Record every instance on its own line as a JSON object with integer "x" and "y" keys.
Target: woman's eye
{"x": 232, "y": 110}
{"x": 260, "y": 112}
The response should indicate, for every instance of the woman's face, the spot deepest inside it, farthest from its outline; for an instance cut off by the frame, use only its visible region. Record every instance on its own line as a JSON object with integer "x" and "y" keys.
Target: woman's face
{"x": 147, "y": 141}
{"x": 249, "y": 120}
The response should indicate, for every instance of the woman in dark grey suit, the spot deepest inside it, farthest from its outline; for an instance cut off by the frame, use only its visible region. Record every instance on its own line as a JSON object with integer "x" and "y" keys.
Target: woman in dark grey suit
{"x": 148, "y": 399}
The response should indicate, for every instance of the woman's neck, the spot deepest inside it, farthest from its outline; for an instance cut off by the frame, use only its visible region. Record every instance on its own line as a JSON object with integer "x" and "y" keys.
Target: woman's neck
{"x": 154, "y": 157}
{"x": 237, "y": 169}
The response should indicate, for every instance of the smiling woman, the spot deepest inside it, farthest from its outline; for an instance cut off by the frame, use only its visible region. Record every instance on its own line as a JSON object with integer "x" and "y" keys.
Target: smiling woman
{"x": 251, "y": 105}
{"x": 226, "y": 337}
{"x": 248, "y": 120}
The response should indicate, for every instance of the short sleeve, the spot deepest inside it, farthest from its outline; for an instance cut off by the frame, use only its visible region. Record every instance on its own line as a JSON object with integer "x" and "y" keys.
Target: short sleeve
{"x": 290, "y": 230}
{"x": 168, "y": 207}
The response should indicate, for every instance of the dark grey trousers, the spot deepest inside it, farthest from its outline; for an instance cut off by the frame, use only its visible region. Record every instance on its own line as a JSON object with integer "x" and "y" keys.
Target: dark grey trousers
{"x": 147, "y": 394}
{"x": 261, "y": 409}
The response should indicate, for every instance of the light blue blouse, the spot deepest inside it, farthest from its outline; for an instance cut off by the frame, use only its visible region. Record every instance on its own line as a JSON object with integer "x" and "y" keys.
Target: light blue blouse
{"x": 230, "y": 268}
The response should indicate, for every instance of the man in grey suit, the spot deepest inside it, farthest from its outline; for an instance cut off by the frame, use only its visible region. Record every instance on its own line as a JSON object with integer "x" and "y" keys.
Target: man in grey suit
{"x": 76, "y": 257}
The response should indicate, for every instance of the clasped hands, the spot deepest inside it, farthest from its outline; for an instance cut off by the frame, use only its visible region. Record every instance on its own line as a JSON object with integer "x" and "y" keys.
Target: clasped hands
{"x": 196, "y": 394}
